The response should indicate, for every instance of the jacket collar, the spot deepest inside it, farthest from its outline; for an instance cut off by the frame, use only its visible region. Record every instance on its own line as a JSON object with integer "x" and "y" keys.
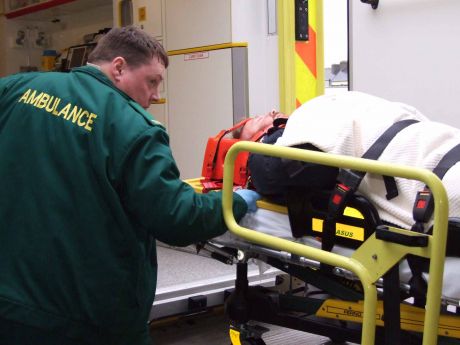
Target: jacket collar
{"x": 100, "y": 76}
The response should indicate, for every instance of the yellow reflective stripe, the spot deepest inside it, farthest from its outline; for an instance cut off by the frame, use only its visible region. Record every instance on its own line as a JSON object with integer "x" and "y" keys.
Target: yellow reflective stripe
{"x": 286, "y": 56}
{"x": 312, "y": 9}
{"x": 342, "y": 230}
{"x": 207, "y": 48}
{"x": 305, "y": 81}
{"x": 352, "y": 212}
{"x": 309, "y": 56}
{"x": 412, "y": 318}
{"x": 349, "y": 231}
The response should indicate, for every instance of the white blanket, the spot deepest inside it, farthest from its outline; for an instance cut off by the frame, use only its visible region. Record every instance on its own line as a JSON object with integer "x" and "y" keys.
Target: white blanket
{"x": 349, "y": 123}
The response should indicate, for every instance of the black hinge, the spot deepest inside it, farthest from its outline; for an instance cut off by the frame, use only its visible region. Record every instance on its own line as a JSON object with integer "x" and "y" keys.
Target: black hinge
{"x": 373, "y": 3}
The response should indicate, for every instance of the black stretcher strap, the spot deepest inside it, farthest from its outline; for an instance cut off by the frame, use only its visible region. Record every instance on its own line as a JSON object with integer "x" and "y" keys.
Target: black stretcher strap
{"x": 349, "y": 181}
{"x": 422, "y": 213}
{"x": 424, "y": 204}
{"x": 380, "y": 145}
{"x": 447, "y": 162}
{"x": 392, "y": 306}
{"x": 382, "y": 142}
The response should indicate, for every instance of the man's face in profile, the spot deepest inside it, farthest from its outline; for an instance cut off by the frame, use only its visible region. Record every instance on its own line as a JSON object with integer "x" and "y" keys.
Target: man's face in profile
{"x": 142, "y": 83}
{"x": 259, "y": 123}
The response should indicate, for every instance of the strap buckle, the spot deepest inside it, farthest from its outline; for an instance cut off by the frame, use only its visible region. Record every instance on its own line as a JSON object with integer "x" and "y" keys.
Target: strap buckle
{"x": 349, "y": 181}
{"x": 423, "y": 206}
{"x": 338, "y": 199}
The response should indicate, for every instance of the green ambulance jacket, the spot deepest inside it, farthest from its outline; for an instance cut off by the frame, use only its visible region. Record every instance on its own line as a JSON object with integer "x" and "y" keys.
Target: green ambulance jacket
{"x": 88, "y": 182}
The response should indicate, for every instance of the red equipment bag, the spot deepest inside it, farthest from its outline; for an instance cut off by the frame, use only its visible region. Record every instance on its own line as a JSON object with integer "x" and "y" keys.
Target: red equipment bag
{"x": 214, "y": 156}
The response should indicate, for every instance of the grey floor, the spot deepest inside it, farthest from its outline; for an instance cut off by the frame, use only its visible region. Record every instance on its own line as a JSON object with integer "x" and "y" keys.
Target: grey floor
{"x": 177, "y": 266}
{"x": 181, "y": 267}
{"x": 212, "y": 329}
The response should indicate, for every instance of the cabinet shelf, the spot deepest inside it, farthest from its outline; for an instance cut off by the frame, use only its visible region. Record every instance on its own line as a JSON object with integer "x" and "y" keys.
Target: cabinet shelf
{"x": 19, "y": 12}
{"x": 51, "y": 9}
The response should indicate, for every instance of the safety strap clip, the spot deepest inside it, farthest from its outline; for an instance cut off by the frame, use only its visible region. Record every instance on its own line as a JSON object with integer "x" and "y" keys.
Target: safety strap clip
{"x": 423, "y": 206}
{"x": 338, "y": 199}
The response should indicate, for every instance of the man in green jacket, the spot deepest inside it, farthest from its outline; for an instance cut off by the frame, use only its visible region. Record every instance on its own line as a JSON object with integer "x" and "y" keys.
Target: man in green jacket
{"x": 87, "y": 184}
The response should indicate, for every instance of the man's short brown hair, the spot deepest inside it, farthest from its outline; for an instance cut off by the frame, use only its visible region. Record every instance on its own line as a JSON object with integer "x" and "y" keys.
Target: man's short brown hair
{"x": 130, "y": 42}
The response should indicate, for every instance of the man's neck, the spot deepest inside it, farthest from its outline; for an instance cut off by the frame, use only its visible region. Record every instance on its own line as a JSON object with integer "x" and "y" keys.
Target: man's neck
{"x": 103, "y": 68}
{"x": 93, "y": 65}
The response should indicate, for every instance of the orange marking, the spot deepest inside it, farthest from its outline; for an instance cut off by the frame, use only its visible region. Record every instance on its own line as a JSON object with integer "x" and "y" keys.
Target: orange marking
{"x": 307, "y": 51}
{"x": 297, "y": 103}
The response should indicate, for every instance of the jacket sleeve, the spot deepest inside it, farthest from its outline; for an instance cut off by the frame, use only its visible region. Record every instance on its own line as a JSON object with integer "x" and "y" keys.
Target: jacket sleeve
{"x": 7, "y": 82}
{"x": 161, "y": 202}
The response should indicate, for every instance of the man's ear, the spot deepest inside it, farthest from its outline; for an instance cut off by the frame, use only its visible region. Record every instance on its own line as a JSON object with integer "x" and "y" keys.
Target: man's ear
{"x": 117, "y": 68}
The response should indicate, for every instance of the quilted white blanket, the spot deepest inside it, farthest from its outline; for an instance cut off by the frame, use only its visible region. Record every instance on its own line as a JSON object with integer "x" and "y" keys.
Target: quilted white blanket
{"x": 349, "y": 123}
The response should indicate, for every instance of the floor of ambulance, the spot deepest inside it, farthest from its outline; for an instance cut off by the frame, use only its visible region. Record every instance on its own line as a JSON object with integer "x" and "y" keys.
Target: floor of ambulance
{"x": 178, "y": 267}
{"x": 212, "y": 329}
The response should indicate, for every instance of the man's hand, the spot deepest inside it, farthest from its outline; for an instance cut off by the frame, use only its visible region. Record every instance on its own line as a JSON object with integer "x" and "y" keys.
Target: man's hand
{"x": 250, "y": 197}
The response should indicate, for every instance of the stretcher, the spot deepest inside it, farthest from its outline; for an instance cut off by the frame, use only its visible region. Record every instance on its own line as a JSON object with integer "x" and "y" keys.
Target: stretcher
{"x": 345, "y": 303}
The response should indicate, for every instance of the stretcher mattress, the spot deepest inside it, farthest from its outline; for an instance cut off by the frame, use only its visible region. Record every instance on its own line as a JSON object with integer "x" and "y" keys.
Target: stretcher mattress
{"x": 277, "y": 224}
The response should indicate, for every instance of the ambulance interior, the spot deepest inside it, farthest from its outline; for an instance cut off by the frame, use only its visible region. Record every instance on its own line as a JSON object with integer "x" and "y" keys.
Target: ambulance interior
{"x": 231, "y": 59}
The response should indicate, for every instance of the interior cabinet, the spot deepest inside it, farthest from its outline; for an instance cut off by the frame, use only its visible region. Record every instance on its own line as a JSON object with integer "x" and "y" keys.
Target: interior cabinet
{"x": 47, "y": 10}
{"x": 18, "y": 8}
{"x": 198, "y": 23}
{"x": 30, "y": 27}
{"x": 147, "y": 14}
{"x": 223, "y": 68}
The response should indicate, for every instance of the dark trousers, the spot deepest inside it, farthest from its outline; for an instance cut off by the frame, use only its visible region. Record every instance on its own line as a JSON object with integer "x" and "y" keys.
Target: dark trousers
{"x": 14, "y": 333}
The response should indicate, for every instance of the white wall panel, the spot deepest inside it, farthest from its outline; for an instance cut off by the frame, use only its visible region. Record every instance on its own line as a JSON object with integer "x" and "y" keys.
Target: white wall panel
{"x": 205, "y": 89}
{"x": 408, "y": 51}
{"x": 158, "y": 112}
{"x": 199, "y": 105}
{"x": 196, "y": 23}
{"x": 251, "y": 26}
{"x": 147, "y": 14}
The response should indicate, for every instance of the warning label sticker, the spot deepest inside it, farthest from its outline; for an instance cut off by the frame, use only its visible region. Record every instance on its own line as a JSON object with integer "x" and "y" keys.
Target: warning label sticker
{"x": 196, "y": 56}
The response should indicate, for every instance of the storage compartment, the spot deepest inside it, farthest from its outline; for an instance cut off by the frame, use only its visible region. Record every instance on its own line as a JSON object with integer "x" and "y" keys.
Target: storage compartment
{"x": 197, "y": 23}
{"x": 45, "y": 26}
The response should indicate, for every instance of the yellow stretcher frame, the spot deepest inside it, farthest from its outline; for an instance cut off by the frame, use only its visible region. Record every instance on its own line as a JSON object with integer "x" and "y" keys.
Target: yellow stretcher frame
{"x": 372, "y": 259}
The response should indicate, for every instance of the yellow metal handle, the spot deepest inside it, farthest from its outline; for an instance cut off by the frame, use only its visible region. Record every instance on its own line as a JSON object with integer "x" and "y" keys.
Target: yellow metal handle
{"x": 437, "y": 242}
